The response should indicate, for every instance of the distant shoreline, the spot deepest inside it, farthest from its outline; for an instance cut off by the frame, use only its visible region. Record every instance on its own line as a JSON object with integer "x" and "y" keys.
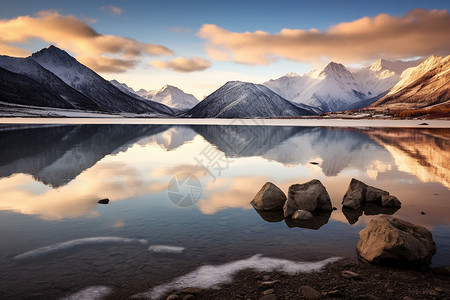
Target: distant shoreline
{"x": 314, "y": 122}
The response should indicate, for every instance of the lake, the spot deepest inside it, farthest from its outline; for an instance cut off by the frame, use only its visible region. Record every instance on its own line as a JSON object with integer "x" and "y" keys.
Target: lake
{"x": 179, "y": 198}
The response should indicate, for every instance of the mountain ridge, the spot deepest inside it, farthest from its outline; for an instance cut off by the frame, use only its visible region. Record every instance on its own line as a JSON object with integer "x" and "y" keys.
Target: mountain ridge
{"x": 237, "y": 99}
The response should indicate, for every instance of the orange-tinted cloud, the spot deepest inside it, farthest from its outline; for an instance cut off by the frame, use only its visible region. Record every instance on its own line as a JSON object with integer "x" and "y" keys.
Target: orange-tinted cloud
{"x": 114, "y": 10}
{"x": 418, "y": 33}
{"x": 181, "y": 64}
{"x": 106, "y": 53}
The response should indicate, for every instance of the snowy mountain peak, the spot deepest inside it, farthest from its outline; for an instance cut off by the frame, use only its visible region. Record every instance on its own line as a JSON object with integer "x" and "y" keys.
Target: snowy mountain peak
{"x": 171, "y": 96}
{"x": 292, "y": 74}
{"x": 333, "y": 69}
{"x": 397, "y": 66}
{"x": 54, "y": 55}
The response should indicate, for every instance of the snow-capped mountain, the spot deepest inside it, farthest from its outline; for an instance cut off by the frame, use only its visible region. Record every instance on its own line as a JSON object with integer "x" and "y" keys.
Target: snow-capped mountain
{"x": 89, "y": 83}
{"x": 24, "y": 89}
{"x": 421, "y": 86}
{"x": 335, "y": 88}
{"x": 170, "y": 96}
{"x": 331, "y": 88}
{"x": 238, "y": 99}
{"x": 382, "y": 75}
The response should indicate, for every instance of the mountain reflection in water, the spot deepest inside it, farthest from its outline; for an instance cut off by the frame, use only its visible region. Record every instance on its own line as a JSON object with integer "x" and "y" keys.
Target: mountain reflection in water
{"x": 58, "y": 155}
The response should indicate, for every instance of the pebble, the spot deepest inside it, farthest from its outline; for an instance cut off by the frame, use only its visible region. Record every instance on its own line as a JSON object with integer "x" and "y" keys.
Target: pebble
{"x": 191, "y": 290}
{"x": 390, "y": 291}
{"x": 310, "y": 292}
{"x": 431, "y": 293}
{"x": 350, "y": 275}
{"x": 188, "y": 297}
{"x": 269, "y": 291}
{"x": 266, "y": 277}
{"x": 407, "y": 298}
{"x": 335, "y": 294}
{"x": 439, "y": 290}
{"x": 173, "y": 297}
{"x": 268, "y": 284}
{"x": 269, "y": 297}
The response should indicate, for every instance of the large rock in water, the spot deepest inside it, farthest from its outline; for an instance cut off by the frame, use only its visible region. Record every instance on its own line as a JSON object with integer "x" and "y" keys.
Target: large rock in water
{"x": 390, "y": 240}
{"x": 358, "y": 193}
{"x": 308, "y": 196}
{"x": 269, "y": 197}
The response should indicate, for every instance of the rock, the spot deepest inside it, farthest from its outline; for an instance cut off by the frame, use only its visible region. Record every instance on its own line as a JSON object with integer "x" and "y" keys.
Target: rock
{"x": 355, "y": 195}
{"x": 103, "y": 201}
{"x": 390, "y": 201}
{"x": 302, "y": 215}
{"x": 444, "y": 271}
{"x": 390, "y": 240}
{"x": 358, "y": 194}
{"x": 309, "y": 196}
{"x": 269, "y": 291}
{"x": 350, "y": 275}
{"x": 407, "y": 298}
{"x": 269, "y": 297}
{"x": 423, "y": 213}
{"x": 310, "y": 292}
{"x": 188, "y": 297}
{"x": 374, "y": 194}
{"x": 173, "y": 297}
{"x": 266, "y": 277}
{"x": 313, "y": 163}
{"x": 269, "y": 197}
{"x": 439, "y": 290}
{"x": 191, "y": 290}
{"x": 354, "y": 199}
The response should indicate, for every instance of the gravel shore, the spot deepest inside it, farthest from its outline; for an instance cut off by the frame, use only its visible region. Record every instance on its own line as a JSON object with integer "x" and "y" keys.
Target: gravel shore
{"x": 345, "y": 279}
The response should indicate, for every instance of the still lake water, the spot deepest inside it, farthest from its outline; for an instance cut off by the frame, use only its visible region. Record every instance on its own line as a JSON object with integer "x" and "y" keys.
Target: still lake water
{"x": 51, "y": 178}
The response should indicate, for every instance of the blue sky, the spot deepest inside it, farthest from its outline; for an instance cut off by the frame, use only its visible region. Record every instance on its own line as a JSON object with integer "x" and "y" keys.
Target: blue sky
{"x": 175, "y": 25}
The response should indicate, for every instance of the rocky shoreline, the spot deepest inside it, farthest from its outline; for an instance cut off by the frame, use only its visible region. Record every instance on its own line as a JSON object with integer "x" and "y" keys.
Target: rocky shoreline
{"x": 344, "y": 279}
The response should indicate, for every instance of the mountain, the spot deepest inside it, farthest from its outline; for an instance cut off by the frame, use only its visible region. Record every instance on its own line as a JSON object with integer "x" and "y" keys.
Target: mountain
{"x": 123, "y": 87}
{"x": 90, "y": 84}
{"x": 331, "y": 88}
{"x": 170, "y": 96}
{"x": 22, "y": 78}
{"x": 335, "y": 88}
{"x": 422, "y": 86}
{"x": 238, "y": 99}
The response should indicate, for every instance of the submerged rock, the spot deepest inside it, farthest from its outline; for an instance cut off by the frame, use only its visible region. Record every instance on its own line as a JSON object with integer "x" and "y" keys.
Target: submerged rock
{"x": 103, "y": 201}
{"x": 319, "y": 219}
{"x": 302, "y": 215}
{"x": 390, "y": 240}
{"x": 269, "y": 197}
{"x": 308, "y": 196}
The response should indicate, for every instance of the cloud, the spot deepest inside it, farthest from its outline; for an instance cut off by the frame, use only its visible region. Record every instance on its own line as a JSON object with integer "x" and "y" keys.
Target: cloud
{"x": 106, "y": 53}
{"x": 181, "y": 64}
{"x": 417, "y": 33}
{"x": 114, "y": 10}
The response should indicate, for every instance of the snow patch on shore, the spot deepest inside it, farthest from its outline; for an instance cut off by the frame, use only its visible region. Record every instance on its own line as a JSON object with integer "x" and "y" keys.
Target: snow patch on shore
{"x": 210, "y": 276}
{"x": 91, "y": 293}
